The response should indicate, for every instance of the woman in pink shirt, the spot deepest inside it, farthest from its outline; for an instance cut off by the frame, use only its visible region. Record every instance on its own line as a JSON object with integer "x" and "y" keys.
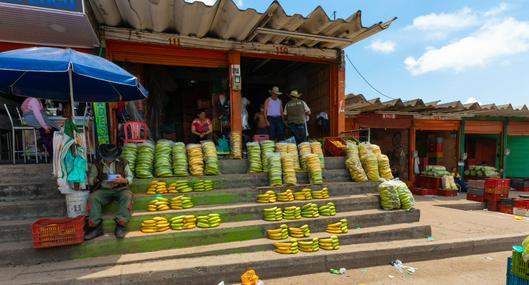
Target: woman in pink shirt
{"x": 201, "y": 127}
{"x": 35, "y": 116}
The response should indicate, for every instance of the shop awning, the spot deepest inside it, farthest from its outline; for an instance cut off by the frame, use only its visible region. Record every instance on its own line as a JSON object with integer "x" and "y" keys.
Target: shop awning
{"x": 225, "y": 21}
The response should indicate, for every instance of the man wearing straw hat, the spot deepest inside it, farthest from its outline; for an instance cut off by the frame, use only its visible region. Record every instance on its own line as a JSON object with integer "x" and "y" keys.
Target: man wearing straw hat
{"x": 274, "y": 116}
{"x": 296, "y": 113}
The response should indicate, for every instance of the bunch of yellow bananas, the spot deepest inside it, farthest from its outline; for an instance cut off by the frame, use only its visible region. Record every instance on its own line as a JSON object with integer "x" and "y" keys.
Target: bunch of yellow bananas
{"x": 321, "y": 194}
{"x": 328, "y": 210}
{"x": 172, "y": 188}
{"x": 157, "y": 187}
{"x": 278, "y": 234}
{"x": 289, "y": 173}
{"x": 305, "y": 194}
{"x": 316, "y": 149}
{"x": 181, "y": 202}
{"x": 314, "y": 168}
{"x": 304, "y": 150}
{"x": 236, "y": 145}
{"x": 292, "y": 213}
{"x": 273, "y": 214}
{"x": 338, "y": 144}
{"x": 292, "y": 149}
{"x": 196, "y": 159}
{"x": 158, "y": 204}
{"x": 340, "y": 227}
{"x": 287, "y": 196}
{"x": 301, "y": 232}
{"x": 332, "y": 243}
{"x": 282, "y": 147}
{"x": 287, "y": 247}
{"x": 267, "y": 197}
{"x": 309, "y": 246}
{"x": 156, "y": 224}
{"x": 310, "y": 210}
{"x": 183, "y": 222}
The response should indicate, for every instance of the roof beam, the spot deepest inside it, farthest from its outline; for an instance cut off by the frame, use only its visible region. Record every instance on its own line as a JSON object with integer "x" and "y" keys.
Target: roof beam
{"x": 304, "y": 36}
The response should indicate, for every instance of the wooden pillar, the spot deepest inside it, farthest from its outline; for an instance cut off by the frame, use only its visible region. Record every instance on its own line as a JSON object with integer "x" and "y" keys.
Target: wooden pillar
{"x": 234, "y": 58}
{"x": 411, "y": 167}
{"x": 337, "y": 97}
{"x": 503, "y": 143}
{"x": 112, "y": 109}
{"x": 461, "y": 168}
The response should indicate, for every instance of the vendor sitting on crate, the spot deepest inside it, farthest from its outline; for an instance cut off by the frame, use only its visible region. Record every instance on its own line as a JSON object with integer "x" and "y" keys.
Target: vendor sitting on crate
{"x": 109, "y": 179}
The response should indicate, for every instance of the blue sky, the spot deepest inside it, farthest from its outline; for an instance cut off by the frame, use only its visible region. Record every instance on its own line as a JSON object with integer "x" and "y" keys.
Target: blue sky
{"x": 436, "y": 50}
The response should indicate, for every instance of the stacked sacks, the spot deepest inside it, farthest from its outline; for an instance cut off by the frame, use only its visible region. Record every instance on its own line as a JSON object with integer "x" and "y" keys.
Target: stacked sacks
{"x": 179, "y": 159}
{"x": 145, "y": 160}
{"x": 236, "y": 145}
{"x": 158, "y": 204}
{"x": 301, "y": 232}
{"x": 320, "y": 194}
{"x": 163, "y": 158}
{"x": 210, "y": 221}
{"x": 328, "y": 210}
{"x": 289, "y": 172}
{"x": 181, "y": 202}
{"x": 156, "y": 224}
{"x": 196, "y": 159}
{"x": 310, "y": 210}
{"x": 267, "y": 147}
{"x": 287, "y": 196}
{"x": 210, "y": 157}
{"x": 353, "y": 164}
{"x": 287, "y": 247}
{"x": 314, "y": 168}
{"x": 389, "y": 195}
{"x": 384, "y": 168}
{"x": 340, "y": 227}
{"x": 278, "y": 234}
{"x": 274, "y": 171}
{"x": 309, "y": 246}
{"x": 268, "y": 197}
{"x": 292, "y": 149}
{"x": 304, "y": 150}
{"x": 363, "y": 150}
{"x": 317, "y": 150}
{"x": 305, "y": 194}
{"x": 332, "y": 243}
{"x": 273, "y": 214}
{"x": 182, "y": 186}
{"x": 129, "y": 154}
{"x": 292, "y": 213}
{"x": 351, "y": 149}
{"x": 254, "y": 157}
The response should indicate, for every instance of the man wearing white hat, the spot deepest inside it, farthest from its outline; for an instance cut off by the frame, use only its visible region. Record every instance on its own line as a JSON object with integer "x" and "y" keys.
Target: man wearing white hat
{"x": 274, "y": 116}
{"x": 296, "y": 113}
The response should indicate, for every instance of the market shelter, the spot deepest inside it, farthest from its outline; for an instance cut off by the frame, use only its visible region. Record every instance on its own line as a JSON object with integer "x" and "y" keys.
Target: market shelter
{"x": 226, "y": 53}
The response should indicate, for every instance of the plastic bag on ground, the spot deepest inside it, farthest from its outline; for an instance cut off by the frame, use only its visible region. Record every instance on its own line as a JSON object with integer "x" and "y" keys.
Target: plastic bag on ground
{"x": 254, "y": 157}
{"x": 384, "y": 167}
{"x": 389, "y": 195}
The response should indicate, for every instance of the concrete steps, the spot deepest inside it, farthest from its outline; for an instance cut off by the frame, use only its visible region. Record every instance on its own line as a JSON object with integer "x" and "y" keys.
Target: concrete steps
{"x": 32, "y": 209}
{"x": 37, "y": 190}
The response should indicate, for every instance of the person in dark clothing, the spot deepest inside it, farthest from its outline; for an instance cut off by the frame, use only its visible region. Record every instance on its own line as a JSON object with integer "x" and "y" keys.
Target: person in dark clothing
{"x": 296, "y": 113}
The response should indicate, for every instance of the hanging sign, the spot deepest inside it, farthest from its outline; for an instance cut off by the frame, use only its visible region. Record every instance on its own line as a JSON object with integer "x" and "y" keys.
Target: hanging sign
{"x": 100, "y": 115}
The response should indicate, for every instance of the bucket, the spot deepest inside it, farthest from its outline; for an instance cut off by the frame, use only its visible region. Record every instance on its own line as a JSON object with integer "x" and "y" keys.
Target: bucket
{"x": 76, "y": 203}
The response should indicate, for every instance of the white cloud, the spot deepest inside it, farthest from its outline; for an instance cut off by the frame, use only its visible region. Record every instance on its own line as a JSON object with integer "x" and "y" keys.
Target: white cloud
{"x": 207, "y": 2}
{"x": 495, "y": 11}
{"x": 471, "y": 100}
{"x": 381, "y": 46}
{"x": 459, "y": 19}
{"x": 493, "y": 40}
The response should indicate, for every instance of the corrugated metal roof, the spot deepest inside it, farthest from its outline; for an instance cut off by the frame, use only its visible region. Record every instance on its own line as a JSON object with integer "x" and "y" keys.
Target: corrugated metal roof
{"x": 224, "y": 20}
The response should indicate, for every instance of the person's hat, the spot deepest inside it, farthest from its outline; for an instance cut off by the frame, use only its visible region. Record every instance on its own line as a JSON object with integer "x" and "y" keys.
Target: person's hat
{"x": 295, "y": 94}
{"x": 275, "y": 90}
{"x": 109, "y": 151}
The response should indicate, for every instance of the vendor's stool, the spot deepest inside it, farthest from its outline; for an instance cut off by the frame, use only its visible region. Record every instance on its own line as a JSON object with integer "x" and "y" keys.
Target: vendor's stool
{"x": 135, "y": 132}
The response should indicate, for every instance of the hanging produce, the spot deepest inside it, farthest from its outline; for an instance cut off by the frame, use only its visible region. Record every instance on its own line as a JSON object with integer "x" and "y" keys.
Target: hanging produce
{"x": 179, "y": 159}
{"x": 163, "y": 158}
{"x": 129, "y": 153}
{"x": 274, "y": 172}
{"x": 267, "y": 147}
{"x": 292, "y": 149}
{"x": 196, "y": 159}
{"x": 314, "y": 168}
{"x": 315, "y": 147}
{"x": 210, "y": 157}
{"x": 145, "y": 160}
{"x": 254, "y": 157}
{"x": 289, "y": 173}
{"x": 236, "y": 145}
{"x": 384, "y": 168}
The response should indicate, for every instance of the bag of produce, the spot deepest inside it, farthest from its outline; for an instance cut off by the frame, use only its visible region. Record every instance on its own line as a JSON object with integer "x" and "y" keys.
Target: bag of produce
{"x": 389, "y": 195}
{"x": 274, "y": 171}
{"x": 370, "y": 164}
{"x": 304, "y": 149}
{"x": 145, "y": 160}
{"x": 315, "y": 147}
{"x": 236, "y": 145}
{"x": 210, "y": 158}
{"x": 449, "y": 183}
{"x": 267, "y": 147}
{"x": 292, "y": 149}
{"x": 254, "y": 157}
{"x": 163, "y": 158}
{"x": 525, "y": 245}
{"x": 196, "y": 159}
{"x": 179, "y": 159}
{"x": 405, "y": 196}
{"x": 289, "y": 173}
{"x": 375, "y": 149}
{"x": 363, "y": 150}
{"x": 314, "y": 168}
{"x": 354, "y": 166}
{"x": 351, "y": 149}
{"x": 384, "y": 167}
{"x": 129, "y": 154}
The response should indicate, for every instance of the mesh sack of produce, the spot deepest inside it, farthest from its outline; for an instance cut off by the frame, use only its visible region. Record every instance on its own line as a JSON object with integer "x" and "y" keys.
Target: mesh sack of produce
{"x": 389, "y": 195}
{"x": 405, "y": 196}
{"x": 363, "y": 150}
{"x": 129, "y": 153}
{"x": 289, "y": 173}
{"x": 292, "y": 149}
{"x": 351, "y": 149}
{"x": 370, "y": 164}
{"x": 145, "y": 160}
{"x": 210, "y": 158}
{"x": 448, "y": 183}
{"x": 267, "y": 147}
{"x": 196, "y": 159}
{"x": 254, "y": 157}
{"x": 236, "y": 145}
{"x": 314, "y": 169}
{"x": 282, "y": 147}
{"x": 384, "y": 168}
{"x": 179, "y": 159}
{"x": 315, "y": 147}
{"x": 274, "y": 170}
{"x": 304, "y": 149}
{"x": 162, "y": 165}
{"x": 354, "y": 166}
{"x": 525, "y": 254}
{"x": 375, "y": 149}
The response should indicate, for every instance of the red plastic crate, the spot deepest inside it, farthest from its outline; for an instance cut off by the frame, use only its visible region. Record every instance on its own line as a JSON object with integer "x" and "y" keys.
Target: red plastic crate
{"x": 57, "y": 232}
{"x": 333, "y": 149}
{"x": 492, "y": 205}
{"x": 497, "y": 185}
{"x": 495, "y": 197}
{"x": 505, "y": 209}
{"x": 476, "y": 198}
{"x": 519, "y": 203}
{"x": 449, "y": 193}
{"x": 259, "y": 138}
{"x": 423, "y": 191}
{"x": 521, "y": 188}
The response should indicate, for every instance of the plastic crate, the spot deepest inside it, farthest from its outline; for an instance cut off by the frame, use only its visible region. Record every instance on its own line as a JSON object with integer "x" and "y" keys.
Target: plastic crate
{"x": 505, "y": 209}
{"x": 57, "y": 232}
{"x": 333, "y": 149}
{"x": 519, "y": 267}
{"x": 447, "y": 193}
{"x": 259, "y": 138}
{"x": 511, "y": 279}
{"x": 497, "y": 185}
{"x": 520, "y": 203}
{"x": 492, "y": 205}
{"x": 476, "y": 198}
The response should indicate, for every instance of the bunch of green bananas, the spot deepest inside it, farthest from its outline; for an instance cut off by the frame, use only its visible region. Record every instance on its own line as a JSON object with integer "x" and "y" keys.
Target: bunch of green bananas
{"x": 287, "y": 196}
{"x": 292, "y": 213}
{"x": 144, "y": 160}
{"x": 292, "y": 149}
{"x": 183, "y": 222}
{"x": 301, "y": 232}
{"x": 181, "y": 202}
{"x": 310, "y": 210}
{"x": 162, "y": 164}
{"x": 182, "y": 186}
{"x": 287, "y": 247}
{"x": 198, "y": 186}
{"x": 274, "y": 169}
{"x": 254, "y": 157}
{"x": 273, "y": 214}
{"x": 304, "y": 150}
{"x": 340, "y": 227}
{"x": 278, "y": 234}
{"x": 321, "y": 194}
{"x": 267, "y": 147}
{"x": 328, "y": 210}
{"x": 208, "y": 185}
{"x": 332, "y": 243}
{"x": 179, "y": 159}
{"x": 309, "y": 246}
{"x": 158, "y": 204}
{"x": 267, "y": 197}
{"x": 305, "y": 194}
{"x": 210, "y": 221}
{"x": 129, "y": 154}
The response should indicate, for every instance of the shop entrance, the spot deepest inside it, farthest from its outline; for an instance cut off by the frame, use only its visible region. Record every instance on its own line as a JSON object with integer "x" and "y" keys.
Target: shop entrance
{"x": 482, "y": 150}
{"x": 437, "y": 148}
{"x": 312, "y": 79}
{"x": 395, "y": 144}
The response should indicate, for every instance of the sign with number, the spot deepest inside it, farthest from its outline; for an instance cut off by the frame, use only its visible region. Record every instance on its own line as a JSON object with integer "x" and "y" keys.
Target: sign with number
{"x": 100, "y": 115}
{"x": 388, "y": 116}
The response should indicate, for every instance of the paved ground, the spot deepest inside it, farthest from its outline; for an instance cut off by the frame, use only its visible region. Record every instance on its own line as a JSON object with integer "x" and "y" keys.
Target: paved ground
{"x": 468, "y": 270}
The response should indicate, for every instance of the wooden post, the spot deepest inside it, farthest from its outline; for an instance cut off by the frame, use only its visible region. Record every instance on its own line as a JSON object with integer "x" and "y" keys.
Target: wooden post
{"x": 234, "y": 58}
{"x": 337, "y": 97}
{"x": 412, "y": 158}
